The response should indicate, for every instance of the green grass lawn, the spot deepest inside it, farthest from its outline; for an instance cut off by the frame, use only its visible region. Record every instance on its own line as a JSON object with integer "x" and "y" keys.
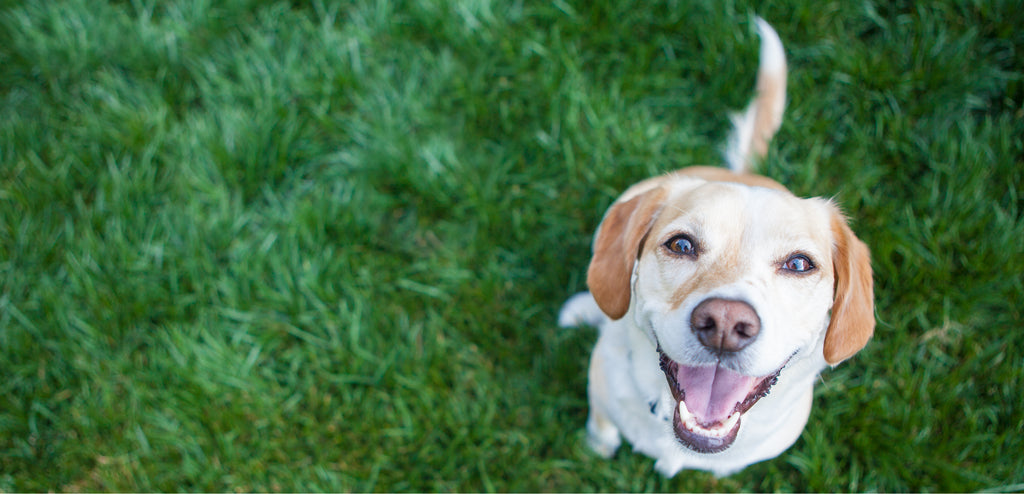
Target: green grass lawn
{"x": 259, "y": 245}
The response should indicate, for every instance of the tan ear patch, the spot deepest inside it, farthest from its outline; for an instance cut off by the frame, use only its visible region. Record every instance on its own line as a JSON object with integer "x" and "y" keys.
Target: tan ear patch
{"x": 616, "y": 248}
{"x": 853, "y": 308}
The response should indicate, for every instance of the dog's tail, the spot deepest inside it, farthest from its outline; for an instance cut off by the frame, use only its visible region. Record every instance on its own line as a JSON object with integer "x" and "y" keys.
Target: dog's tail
{"x": 754, "y": 128}
{"x": 581, "y": 309}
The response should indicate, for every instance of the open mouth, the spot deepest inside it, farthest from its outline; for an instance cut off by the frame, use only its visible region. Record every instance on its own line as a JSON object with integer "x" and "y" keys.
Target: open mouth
{"x": 711, "y": 402}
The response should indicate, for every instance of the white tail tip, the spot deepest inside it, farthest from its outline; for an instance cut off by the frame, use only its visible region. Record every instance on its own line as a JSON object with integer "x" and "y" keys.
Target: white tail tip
{"x": 755, "y": 127}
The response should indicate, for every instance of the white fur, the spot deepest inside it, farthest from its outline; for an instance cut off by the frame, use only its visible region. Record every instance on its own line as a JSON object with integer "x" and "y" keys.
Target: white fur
{"x": 581, "y": 309}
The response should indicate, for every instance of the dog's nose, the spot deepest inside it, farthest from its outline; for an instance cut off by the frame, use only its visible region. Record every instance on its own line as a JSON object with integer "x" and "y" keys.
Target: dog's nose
{"x": 725, "y": 325}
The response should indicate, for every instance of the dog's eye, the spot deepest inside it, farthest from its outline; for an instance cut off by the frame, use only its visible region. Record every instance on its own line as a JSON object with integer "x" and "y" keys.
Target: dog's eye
{"x": 798, "y": 263}
{"x": 682, "y": 245}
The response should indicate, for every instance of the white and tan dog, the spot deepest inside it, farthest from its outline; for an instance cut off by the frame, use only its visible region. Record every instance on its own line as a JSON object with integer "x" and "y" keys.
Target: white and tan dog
{"x": 719, "y": 296}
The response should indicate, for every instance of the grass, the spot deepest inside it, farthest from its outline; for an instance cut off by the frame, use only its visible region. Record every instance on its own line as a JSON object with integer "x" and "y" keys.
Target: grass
{"x": 262, "y": 246}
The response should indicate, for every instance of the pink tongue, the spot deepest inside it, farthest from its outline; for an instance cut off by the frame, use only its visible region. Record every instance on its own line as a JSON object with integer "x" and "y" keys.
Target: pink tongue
{"x": 711, "y": 393}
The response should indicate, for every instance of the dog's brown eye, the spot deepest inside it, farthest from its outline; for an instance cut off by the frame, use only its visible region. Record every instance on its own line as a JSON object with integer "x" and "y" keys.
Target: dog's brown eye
{"x": 798, "y": 263}
{"x": 682, "y": 245}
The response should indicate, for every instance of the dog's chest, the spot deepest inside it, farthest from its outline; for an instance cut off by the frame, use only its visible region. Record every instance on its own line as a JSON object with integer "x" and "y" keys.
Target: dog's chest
{"x": 637, "y": 365}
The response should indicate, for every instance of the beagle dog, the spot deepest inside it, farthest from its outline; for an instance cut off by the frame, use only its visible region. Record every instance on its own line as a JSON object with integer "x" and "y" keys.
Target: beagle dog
{"x": 719, "y": 296}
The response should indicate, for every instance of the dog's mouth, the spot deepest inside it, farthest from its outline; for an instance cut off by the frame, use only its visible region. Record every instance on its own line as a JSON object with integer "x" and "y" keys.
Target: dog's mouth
{"x": 711, "y": 401}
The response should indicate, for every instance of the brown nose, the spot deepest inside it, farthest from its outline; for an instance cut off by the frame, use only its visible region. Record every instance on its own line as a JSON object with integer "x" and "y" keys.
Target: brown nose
{"x": 725, "y": 325}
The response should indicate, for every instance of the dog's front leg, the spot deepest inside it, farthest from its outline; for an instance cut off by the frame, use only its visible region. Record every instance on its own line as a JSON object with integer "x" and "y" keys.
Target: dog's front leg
{"x": 602, "y": 434}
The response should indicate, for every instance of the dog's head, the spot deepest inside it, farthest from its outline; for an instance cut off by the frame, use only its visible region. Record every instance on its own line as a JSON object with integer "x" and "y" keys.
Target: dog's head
{"x": 731, "y": 281}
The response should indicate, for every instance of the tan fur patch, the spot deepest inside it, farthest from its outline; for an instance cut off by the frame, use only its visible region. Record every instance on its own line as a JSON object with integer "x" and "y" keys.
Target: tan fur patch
{"x": 616, "y": 247}
{"x": 714, "y": 174}
{"x": 853, "y": 312}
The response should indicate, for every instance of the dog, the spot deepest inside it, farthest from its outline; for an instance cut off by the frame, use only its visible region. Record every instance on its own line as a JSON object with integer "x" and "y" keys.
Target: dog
{"x": 719, "y": 297}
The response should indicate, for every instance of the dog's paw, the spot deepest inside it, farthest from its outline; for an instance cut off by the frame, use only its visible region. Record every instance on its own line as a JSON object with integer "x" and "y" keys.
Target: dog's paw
{"x": 668, "y": 468}
{"x": 603, "y": 437}
{"x": 605, "y": 447}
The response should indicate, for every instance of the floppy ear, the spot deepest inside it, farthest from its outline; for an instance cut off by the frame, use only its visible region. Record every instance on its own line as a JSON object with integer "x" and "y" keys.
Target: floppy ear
{"x": 853, "y": 308}
{"x": 616, "y": 248}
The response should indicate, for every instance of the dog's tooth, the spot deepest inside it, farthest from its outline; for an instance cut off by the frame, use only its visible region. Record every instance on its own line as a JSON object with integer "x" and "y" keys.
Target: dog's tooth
{"x": 731, "y": 421}
{"x": 690, "y": 422}
{"x": 684, "y": 413}
{"x": 687, "y": 418}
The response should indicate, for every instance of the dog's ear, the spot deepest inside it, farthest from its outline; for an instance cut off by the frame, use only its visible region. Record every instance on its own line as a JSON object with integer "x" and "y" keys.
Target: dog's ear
{"x": 617, "y": 246}
{"x": 853, "y": 308}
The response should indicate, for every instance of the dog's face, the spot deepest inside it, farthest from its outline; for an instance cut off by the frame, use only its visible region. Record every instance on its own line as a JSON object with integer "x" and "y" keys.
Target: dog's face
{"x": 732, "y": 283}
